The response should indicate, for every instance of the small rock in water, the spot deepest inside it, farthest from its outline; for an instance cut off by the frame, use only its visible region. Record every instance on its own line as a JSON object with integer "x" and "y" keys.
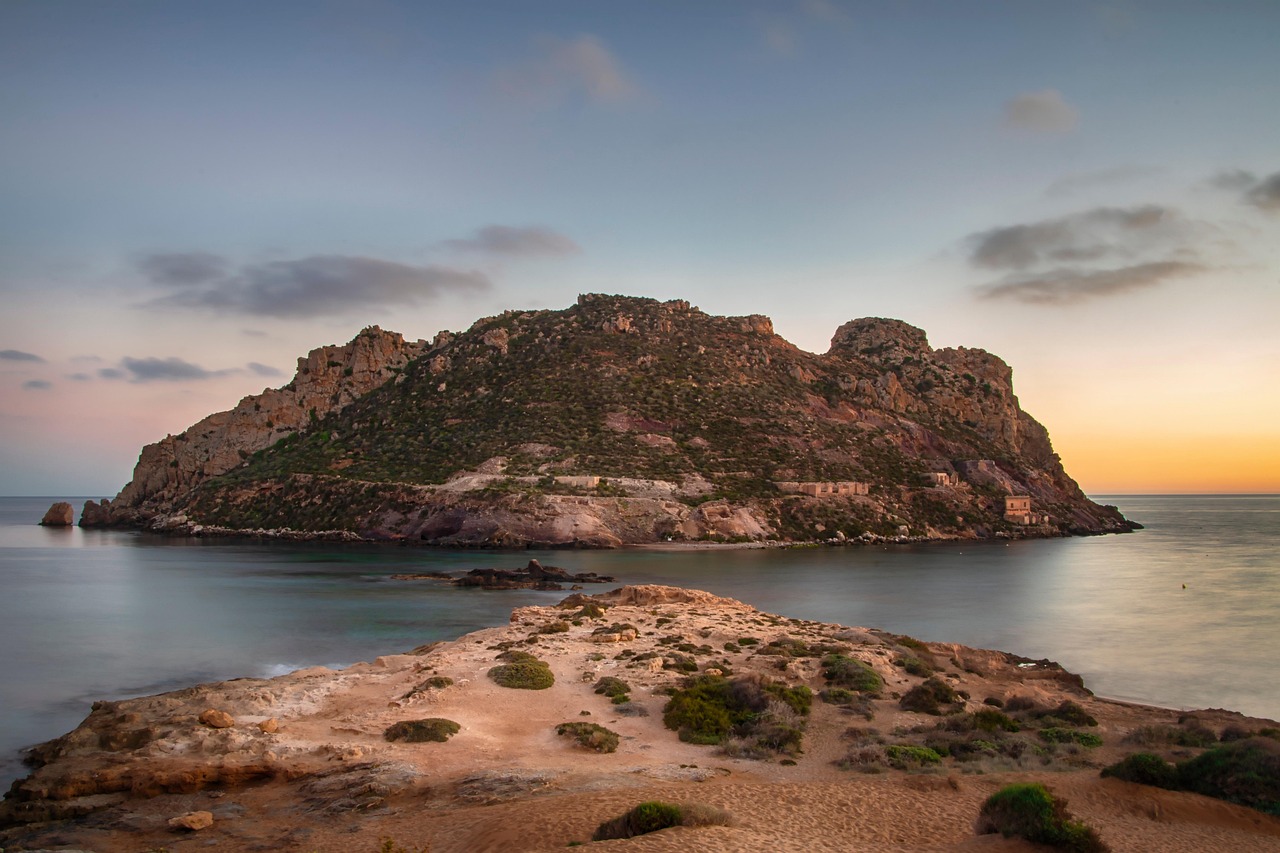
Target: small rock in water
{"x": 216, "y": 719}
{"x": 59, "y": 515}
{"x": 192, "y": 821}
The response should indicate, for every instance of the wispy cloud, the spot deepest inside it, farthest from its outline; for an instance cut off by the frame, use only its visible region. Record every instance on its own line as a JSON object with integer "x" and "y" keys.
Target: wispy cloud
{"x": 1091, "y": 235}
{"x": 1064, "y": 286}
{"x": 784, "y": 24}
{"x": 1266, "y": 195}
{"x": 581, "y": 67}
{"x": 37, "y": 385}
{"x": 263, "y": 369}
{"x": 320, "y": 285}
{"x": 508, "y": 240}
{"x": 1232, "y": 180}
{"x": 183, "y": 269}
{"x": 166, "y": 369}
{"x": 1070, "y": 184}
{"x": 1041, "y": 112}
{"x": 111, "y": 373}
{"x": 19, "y": 355}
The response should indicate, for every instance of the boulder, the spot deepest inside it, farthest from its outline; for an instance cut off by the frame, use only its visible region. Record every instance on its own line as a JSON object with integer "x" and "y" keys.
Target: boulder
{"x": 216, "y": 719}
{"x": 192, "y": 821}
{"x": 59, "y": 515}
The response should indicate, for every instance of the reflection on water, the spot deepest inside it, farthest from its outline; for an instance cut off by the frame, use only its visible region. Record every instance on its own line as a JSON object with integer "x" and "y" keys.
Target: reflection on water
{"x": 93, "y": 614}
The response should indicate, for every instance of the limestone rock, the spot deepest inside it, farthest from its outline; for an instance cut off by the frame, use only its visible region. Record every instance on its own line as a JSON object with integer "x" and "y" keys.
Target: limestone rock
{"x": 216, "y": 719}
{"x": 269, "y": 726}
{"x": 192, "y": 821}
{"x": 59, "y": 515}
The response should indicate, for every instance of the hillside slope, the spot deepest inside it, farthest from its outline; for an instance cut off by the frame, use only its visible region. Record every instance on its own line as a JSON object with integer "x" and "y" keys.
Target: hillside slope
{"x": 625, "y": 420}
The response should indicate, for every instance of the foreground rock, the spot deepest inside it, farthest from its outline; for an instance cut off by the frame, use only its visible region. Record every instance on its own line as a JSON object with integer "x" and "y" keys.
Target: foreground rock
{"x": 59, "y": 515}
{"x": 327, "y": 779}
{"x": 620, "y": 421}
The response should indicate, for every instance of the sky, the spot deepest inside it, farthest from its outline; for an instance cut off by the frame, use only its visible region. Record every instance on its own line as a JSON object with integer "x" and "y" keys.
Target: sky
{"x": 194, "y": 194}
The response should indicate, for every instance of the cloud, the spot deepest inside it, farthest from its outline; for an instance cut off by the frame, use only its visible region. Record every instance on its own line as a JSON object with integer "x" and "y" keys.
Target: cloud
{"x": 19, "y": 355}
{"x": 37, "y": 385}
{"x": 506, "y": 240}
{"x": 167, "y": 369}
{"x": 111, "y": 373}
{"x": 781, "y": 27}
{"x": 79, "y": 377}
{"x": 1041, "y": 112}
{"x": 1233, "y": 180}
{"x": 566, "y": 68}
{"x": 1099, "y": 178}
{"x": 1266, "y": 195}
{"x": 182, "y": 269}
{"x": 323, "y": 285}
{"x": 263, "y": 369}
{"x": 1063, "y": 286}
{"x": 1092, "y": 235}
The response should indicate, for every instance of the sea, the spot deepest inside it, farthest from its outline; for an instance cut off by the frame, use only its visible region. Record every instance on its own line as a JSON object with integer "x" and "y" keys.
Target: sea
{"x": 1181, "y": 614}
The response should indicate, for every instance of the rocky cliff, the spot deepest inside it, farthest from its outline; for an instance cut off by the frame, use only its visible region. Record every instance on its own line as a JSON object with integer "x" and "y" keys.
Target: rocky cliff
{"x": 327, "y": 379}
{"x": 620, "y": 420}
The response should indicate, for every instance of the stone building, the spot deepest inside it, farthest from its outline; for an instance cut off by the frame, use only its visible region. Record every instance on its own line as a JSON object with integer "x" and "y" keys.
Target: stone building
{"x": 1017, "y": 510}
{"x": 842, "y": 488}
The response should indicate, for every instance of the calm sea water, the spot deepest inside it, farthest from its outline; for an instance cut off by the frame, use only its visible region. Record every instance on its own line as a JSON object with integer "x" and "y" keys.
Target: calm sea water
{"x": 86, "y": 615}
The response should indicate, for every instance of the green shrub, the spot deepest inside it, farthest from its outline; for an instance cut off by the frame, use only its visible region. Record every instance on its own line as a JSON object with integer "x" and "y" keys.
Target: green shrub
{"x": 1145, "y": 769}
{"x": 590, "y": 735}
{"x": 928, "y": 697}
{"x": 1057, "y": 734}
{"x": 850, "y": 673}
{"x": 422, "y": 731}
{"x": 1072, "y": 714}
{"x": 906, "y": 757}
{"x": 615, "y": 688}
{"x": 1245, "y": 772}
{"x": 990, "y": 720}
{"x": 914, "y": 666}
{"x": 435, "y": 682}
{"x": 1194, "y": 736}
{"x": 709, "y": 709}
{"x": 653, "y": 816}
{"x": 531, "y": 674}
{"x": 1029, "y": 811}
{"x": 557, "y": 627}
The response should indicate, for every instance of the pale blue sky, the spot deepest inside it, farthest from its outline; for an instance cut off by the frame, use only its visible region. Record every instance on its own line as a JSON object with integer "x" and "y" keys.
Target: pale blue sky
{"x": 227, "y": 183}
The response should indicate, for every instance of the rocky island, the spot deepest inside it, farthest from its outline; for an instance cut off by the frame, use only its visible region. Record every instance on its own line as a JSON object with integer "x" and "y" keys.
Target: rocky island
{"x": 740, "y": 729}
{"x": 619, "y": 421}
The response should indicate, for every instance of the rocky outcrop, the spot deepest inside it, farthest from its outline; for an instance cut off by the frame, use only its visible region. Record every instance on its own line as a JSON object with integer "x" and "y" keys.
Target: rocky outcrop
{"x": 59, "y": 515}
{"x": 327, "y": 379}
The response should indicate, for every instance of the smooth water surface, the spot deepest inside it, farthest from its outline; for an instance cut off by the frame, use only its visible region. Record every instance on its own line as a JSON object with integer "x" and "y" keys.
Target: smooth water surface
{"x": 107, "y": 614}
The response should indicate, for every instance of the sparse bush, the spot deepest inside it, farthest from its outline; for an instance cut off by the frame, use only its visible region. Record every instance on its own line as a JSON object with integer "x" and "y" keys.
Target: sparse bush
{"x": 612, "y": 687}
{"x": 590, "y": 735}
{"x": 557, "y": 627}
{"x": 929, "y": 697}
{"x": 526, "y": 673}
{"x": 590, "y": 611}
{"x": 914, "y": 666}
{"x": 1145, "y": 769}
{"x": 990, "y": 720}
{"x": 653, "y": 816}
{"x": 1158, "y": 735}
{"x": 1057, "y": 734}
{"x": 422, "y": 731}
{"x": 1029, "y": 811}
{"x": 908, "y": 757}
{"x": 435, "y": 682}
{"x": 850, "y": 673}
{"x": 709, "y": 709}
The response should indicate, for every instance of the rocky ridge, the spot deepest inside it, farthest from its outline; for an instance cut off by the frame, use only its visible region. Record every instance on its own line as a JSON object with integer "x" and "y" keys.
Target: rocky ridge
{"x": 618, "y": 421}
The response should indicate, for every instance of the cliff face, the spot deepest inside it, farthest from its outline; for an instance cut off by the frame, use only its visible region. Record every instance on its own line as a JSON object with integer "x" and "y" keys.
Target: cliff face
{"x": 621, "y": 420}
{"x": 328, "y": 379}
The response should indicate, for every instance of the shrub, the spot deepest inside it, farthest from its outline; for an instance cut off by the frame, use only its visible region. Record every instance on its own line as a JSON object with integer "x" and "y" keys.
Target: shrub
{"x": 590, "y": 735}
{"x": 905, "y": 757}
{"x": 928, "y": 697}
{"x": 589, "y": 611}
{"x": 615, "y": 688}
{"x": 1072, "y": 714}
{"x": 557, "y": 627}
{"x": 422, "y": 731}
{"x": 531, "y": 674}
{"x": 914, "y": 666}
{"x": 435, "y": 682}
{"x": 709, "y": 709}
{"x": 1029, "y": 811}
{"x": 1245, "y": 772}
{"x": 1145, "y": 769}
{"x": 653, "y": 816}
{"x": 1194, "y": 736}
{"x": 1057, "y": 734}
{"x": 990, "y": 720}
{"x": 851, "y": 674}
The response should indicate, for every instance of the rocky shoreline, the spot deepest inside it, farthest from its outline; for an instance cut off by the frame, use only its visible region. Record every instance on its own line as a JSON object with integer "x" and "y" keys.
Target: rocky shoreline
{"x": 863, "y": 739}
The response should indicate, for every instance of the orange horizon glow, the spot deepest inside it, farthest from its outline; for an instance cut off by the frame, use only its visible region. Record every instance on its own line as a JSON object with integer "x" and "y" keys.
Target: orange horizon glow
{"x": 1172, "y": 464}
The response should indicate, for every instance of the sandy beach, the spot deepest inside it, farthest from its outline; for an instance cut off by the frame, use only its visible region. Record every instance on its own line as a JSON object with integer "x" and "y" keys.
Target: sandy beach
{"x": 304, "y": 764}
